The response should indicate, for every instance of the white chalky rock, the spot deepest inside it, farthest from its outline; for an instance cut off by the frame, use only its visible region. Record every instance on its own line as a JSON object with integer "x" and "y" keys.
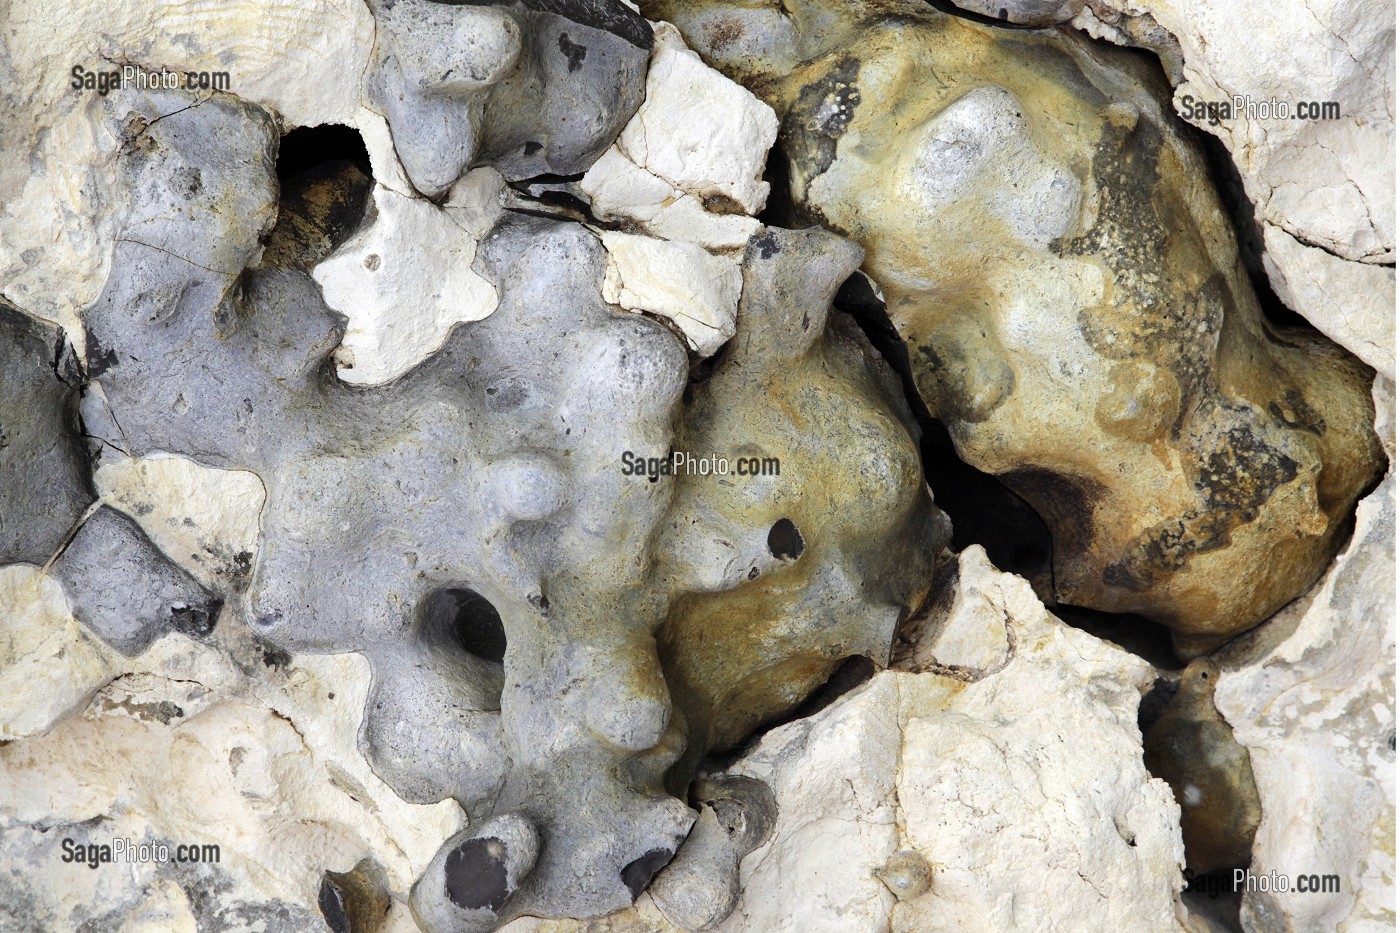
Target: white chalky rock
{"x": 618, "y": 188}
{"x": 972, "y": 636}
{"x": 216, "y": 742}
{"x": 698, "y": 130}
{"x": 303, "y": 60}
{"x": 1024, "y": 790}
{"x": 50, "y": 666}
{"x": 406, "y": 278}
{"x": 204, "y": 519}
{"x": 679, "y": 281}
{"x": 1351, "y": 302}
{"x": 1323, "y": 188}
{"x": 1311, "y": 695}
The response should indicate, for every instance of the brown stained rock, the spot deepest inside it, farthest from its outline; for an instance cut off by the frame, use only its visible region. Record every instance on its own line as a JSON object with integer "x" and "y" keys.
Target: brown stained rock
{"x": 1051, "y": 249}
{"x": 1192, "y": 747}
{"x": 782, "y": 577}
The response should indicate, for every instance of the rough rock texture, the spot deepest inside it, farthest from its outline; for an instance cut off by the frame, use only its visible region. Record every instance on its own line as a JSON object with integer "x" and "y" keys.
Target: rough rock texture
{"x": 206, "y": 520}
{"x": 58, "y": 206}
{"x": 1311, "y": 695}
{"x": 1351, "y": 302}
{"x": 125, "y": 589}
{"x": 535, "y": 88}
{"x": 679, "y": 281}
{"x": 438, "y": 523}
{"x": 698, "y": 142}
{"x": 415, "y": 255}
{"x": 1023, "y": 791}
{"x": 225, "y": 741}
{"x": 319, "y": 540}
{"x": 1322, "y": 185}
{"x": 44, "y": 483}
{"x": 1072, "y": 298}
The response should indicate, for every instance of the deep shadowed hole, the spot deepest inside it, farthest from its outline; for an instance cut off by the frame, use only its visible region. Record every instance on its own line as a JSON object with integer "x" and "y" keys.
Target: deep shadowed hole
{"x": 196, "y": 621}
{"x": 1154, "y": 703}
{"x": 637, "y": 874}
{"x": 1214, "y": 895}
{"x": 778, "y": 210}
{"x": 1224, "y": 175}
{"x": 785, "y": 541}
{"x": 475, "y": 875}
{"x": 470, "y": 618}
{"x": 309, "y": 146}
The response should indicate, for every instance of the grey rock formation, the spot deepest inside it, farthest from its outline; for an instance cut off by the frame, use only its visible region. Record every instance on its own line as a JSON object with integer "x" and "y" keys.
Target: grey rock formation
{"x": 535, "y": 88}
{"x": 471, "y": 528}
{"x": 122, "y": 587}
{"x": 44, "y": 481}
{"x": 700, "y": 887}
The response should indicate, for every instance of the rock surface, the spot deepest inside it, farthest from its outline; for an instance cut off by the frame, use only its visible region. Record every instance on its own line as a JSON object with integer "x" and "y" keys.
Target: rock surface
{"x": 224, "y": 742}
{"x": 1023, "y": 791}
{"x": 334, "y": 528}
{"x": 1072, "y": 297}
{"x": 1321, "y": 184}
{"x": 507, "y": 674}
{"x": 1311, "y": 695}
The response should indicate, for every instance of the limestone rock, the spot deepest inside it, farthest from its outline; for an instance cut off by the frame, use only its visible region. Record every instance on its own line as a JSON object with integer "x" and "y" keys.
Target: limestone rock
{"x": 913, "y": 762}
{"x": 1322, "y": 184}
{"x": 303, "y": 61}
{"x": 1072, "y": 299}
{"x": 1311, "y": 695}
{"x": 164, "y": 761}
{"x": 681, "y": 282}
{"x": 50, "y": 666}
{"x": 619, "y": 189}
{"x": 702, "y": 133}
{"x": 414, "y": 255}
{"x": 205, "y": 520}
{"x": 1327, "y": 181}
{"x": 1351, "y": 302}
{"x": 699, "y": 141}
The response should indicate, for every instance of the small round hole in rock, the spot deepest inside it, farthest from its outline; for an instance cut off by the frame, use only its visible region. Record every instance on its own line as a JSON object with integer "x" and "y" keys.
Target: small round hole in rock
{"x": 785, "y": 541}
{"x": 467, "y": 617}
{"x": 475, "y": 875}
{"x": 309, "y": 146}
